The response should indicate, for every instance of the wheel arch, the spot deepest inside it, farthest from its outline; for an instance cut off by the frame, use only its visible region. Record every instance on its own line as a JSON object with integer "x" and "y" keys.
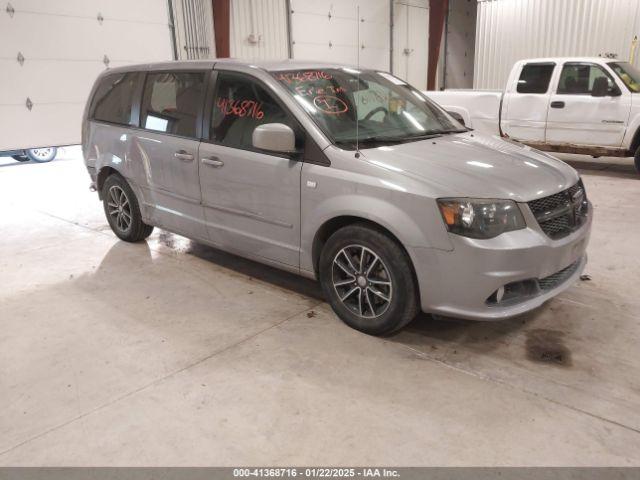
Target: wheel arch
{"x": 334, "y": 224}
{"x": 635, "y": 142}
{"x": 103, "y": 174}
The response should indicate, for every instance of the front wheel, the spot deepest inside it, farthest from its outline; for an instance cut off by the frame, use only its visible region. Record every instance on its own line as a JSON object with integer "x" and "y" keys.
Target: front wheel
{"x": 42, "y": 155}
{"x": 122, "y": 210}
{"x": 368, "y": 279}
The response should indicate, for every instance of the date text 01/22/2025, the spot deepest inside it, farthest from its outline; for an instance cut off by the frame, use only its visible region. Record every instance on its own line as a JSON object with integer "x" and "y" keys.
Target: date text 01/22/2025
{"x": 316, "y": 472}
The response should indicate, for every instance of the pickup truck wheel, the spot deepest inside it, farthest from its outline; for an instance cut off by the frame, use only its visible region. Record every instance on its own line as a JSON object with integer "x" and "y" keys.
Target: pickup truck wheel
{"x": 368, "y": 279}
{"x": 122, "y": 210}
{"x": 636, "y": 160}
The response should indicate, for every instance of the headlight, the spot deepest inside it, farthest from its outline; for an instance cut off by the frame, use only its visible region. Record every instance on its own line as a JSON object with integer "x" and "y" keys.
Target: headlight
{"x": 477, "y": 218}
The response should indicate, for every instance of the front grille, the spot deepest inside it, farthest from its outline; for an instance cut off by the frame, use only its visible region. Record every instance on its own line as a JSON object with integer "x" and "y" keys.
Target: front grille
{"x": 552, "y": 281}
{"x": 561, "y": 213}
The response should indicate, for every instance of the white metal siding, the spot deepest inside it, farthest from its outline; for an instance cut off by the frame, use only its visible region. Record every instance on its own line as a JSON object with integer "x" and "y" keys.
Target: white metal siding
{"x": 327, "y": 30}
{"x": 64, "y": 46}
{"x": 510, "y": 30}
{"x": 259, "y": 30}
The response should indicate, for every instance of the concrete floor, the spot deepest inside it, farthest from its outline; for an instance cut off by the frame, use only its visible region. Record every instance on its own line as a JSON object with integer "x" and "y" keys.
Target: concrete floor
{"x": 172, "y": 353}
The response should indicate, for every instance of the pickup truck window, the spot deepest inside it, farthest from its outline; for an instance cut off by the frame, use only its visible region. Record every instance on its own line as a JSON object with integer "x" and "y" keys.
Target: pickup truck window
{"x": 579, "y": 78}
{"x": 629, "y": 74}
{"x": 368, "y": 107}
{"x": 535, "y": 78}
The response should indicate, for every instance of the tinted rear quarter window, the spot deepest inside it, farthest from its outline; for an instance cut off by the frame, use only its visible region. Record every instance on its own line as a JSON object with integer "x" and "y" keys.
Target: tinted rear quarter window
{"x": 172, "y": 102}
{"x": 114, "y": 98}
{"x": 535, "y": 78}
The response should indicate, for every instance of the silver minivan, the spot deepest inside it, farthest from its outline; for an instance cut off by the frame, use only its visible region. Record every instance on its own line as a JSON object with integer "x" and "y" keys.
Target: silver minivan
{"x": 348, "y": 176}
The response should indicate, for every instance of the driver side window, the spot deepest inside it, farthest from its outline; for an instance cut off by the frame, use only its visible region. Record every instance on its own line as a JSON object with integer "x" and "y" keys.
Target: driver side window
{"x": 579, "y": 78}
{"x": 240, "y": 105}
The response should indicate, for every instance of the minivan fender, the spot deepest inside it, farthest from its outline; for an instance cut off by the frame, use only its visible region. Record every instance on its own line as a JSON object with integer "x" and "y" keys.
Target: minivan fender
{"x": 321, "y": 220}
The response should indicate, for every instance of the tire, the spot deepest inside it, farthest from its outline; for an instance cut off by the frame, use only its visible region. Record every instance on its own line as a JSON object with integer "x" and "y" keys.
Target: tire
{"x": 20, "y": 158}
{"x": 381, "y": 302}
{"x": 42, "y": 155}
{"x": 122, "y": 210}
{"x": 636, "y": 160}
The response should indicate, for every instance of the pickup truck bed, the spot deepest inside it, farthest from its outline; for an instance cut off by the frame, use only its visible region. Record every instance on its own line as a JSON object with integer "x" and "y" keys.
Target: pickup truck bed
{"x": 478, "y": 108}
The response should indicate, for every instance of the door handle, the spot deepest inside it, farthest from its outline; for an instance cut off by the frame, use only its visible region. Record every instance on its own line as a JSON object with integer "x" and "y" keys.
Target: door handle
{"x": 184, "y": 156}
{"x": 557, "y": 104}
{"x": 214, "y": 162}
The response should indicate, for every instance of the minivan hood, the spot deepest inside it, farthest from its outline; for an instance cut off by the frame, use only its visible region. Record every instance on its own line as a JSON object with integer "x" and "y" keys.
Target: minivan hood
{"x": 473, "y": 165}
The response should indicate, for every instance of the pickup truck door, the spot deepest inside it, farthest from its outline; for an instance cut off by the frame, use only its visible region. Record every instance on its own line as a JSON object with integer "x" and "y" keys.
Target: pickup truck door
{"x": 525, "y": 101}
{"x": 578, "y": 117}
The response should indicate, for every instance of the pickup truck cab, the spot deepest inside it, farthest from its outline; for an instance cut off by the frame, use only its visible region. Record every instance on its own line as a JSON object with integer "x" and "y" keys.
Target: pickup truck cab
{"x": 571, "y": 105}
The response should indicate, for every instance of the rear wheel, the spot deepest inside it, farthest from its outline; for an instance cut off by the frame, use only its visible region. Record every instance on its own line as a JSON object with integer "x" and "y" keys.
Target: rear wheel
{"x": 368, "y": 279}
{"x": 42, "y": 155}
{"x": 636, "y": 160}
{"x": 122, "y": 210}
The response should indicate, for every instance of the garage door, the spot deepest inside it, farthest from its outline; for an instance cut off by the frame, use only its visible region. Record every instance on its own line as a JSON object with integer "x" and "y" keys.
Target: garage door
{"x": 324, "y": 30}
{"x": 51, "y": 52}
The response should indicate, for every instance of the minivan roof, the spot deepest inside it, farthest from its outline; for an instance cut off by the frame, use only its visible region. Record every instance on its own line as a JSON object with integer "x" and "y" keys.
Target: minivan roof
{"x": 269, "y": 66}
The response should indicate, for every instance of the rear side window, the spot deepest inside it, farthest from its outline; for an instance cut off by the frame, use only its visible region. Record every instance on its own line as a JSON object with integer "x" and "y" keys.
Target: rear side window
{"x": 172, "y": 101}
{"x": 240, "y": 105}
{"x": 113, "y": 100}
{"x": 535, "y": 78}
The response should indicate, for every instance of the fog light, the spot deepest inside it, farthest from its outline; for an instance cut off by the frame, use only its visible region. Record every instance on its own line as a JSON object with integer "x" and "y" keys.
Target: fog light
{"x": 499, "y": 294}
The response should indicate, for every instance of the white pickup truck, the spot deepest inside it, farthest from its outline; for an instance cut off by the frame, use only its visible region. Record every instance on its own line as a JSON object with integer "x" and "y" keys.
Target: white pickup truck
{"x": 587, "y": 106}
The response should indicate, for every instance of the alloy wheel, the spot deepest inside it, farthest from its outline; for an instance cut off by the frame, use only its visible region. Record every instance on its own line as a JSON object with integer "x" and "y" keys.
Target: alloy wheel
{"x": 362, "y": 281}
{"x": 119, "y": 208}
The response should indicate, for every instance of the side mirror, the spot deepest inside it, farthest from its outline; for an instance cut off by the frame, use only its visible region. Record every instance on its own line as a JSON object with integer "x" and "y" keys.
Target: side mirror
{"x": 458, "y": 117}
{"x": 274, "y": 137}
{"x": 615, "y": 91}
{"x": 600, "y": 87}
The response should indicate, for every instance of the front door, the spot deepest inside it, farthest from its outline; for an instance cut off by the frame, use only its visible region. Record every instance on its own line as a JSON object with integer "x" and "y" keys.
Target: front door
{"x": 251, "y": 198}
{"x": 168, "y": 150}
{"x": 576, "y": 117}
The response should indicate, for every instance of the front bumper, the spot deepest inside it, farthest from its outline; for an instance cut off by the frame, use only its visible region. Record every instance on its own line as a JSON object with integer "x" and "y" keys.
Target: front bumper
{"x": 460, "y": 283}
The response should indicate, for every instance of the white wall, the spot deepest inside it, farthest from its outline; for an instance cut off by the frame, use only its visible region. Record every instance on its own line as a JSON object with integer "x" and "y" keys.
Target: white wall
{"x": 259, "y": 30}
{"x": 64, "y": 44}
{"x": 510, "y": 30}
{"x": 327, "y": 30}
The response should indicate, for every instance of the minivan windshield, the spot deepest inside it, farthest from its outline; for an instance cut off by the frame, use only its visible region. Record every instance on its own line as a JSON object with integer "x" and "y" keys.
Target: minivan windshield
{"x": 376, "y": 107}
{"x": 629, "y": 74}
